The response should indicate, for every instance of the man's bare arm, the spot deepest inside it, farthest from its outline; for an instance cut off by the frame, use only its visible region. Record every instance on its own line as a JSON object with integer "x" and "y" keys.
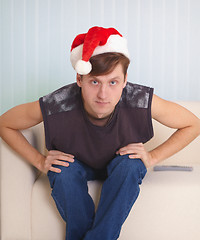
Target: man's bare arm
{"x": 174, "y": 116}
{"x": 22, "y": 117}
{"x": 18, "y": 118}
{"x": 177, "y": 117}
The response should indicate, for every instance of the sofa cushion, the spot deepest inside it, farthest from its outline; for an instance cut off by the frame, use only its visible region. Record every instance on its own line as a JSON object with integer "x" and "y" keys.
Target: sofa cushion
{"x": 167, "y": 208}
{"x": 46, "y": 220}
{"x": 163, "y": 194}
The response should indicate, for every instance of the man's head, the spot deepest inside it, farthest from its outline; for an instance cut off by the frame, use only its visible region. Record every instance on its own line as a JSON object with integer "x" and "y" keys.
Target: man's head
{"x": 100, "y": 58}
{"x": 102, "y": 87}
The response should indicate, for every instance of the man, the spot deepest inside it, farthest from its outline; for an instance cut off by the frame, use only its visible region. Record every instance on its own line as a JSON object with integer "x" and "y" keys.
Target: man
{"x": 95, "y": 129}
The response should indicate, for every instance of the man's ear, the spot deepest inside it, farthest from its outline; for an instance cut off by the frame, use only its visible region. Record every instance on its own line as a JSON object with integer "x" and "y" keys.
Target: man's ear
{"x": 78, "y": 79}
{"x": 125, "y": 80}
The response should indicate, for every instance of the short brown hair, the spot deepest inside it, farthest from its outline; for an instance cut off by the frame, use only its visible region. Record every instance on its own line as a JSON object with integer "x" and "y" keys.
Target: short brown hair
{"x": 105, "y": 63}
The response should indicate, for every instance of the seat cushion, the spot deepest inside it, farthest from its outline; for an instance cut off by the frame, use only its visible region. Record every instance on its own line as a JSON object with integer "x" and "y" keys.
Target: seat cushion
{"x": 46, "y": 220}
{"x": 167, "y": 208}
{"x": 47, "y": 224}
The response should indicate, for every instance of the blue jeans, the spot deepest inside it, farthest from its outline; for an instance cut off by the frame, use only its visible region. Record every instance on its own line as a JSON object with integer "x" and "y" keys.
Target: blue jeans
{"x": 119, "y": 192}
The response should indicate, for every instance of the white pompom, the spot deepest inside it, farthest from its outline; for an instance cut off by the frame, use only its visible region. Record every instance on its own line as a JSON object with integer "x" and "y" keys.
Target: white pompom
{"x": 83, "y": 67}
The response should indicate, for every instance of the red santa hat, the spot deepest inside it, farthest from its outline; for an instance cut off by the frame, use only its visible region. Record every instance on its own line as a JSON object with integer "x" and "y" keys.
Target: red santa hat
{"x": 96, "y": 41}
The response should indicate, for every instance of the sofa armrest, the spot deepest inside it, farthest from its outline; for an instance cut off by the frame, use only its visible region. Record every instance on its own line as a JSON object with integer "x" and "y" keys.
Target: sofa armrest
{"x": 16, "y": 181}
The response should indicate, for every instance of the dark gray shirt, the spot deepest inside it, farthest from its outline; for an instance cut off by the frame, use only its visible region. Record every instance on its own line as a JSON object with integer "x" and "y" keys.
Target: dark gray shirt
{"x": 68, "y": 129}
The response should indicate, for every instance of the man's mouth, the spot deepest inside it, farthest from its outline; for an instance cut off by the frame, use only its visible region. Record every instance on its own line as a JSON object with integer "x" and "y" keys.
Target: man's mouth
{"x": 102, "y": 103}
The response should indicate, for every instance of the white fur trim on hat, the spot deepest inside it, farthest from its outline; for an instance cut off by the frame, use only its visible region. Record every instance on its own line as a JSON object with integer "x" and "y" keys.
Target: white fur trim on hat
{"x": 83, "y": 67}
{"x": 76, "y": 54}
{"x": 115, "y": 43}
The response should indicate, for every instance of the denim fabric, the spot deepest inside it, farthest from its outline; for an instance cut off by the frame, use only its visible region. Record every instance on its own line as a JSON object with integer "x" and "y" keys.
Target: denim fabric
{"x": 120, "y": 189}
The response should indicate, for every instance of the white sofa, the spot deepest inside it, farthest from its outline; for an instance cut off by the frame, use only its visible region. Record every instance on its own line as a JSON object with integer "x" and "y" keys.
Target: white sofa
{"x": 168, "y": 206}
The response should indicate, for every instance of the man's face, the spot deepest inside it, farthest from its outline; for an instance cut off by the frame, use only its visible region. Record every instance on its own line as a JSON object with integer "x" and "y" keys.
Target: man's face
{"x": 101, "y": 93}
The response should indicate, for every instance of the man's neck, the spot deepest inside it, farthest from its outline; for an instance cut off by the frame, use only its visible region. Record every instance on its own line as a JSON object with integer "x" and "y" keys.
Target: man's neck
{"x": 100, "y": 121}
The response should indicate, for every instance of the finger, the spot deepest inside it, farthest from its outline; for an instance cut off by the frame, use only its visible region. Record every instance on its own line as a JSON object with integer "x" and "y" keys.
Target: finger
{"x": 56, "y": 152}
{"x": 132, "y": 146}
{"x": 69, "y": 155}
{"x": 134, "y": 156}
{"x": 122, "y": 151}
{"x": 134, "y": 150}
{"x": 53, "y": 169}
{"x": 125, "y": 152}
{"x": 63, "y": 158}
{"x": 61, "y": 163}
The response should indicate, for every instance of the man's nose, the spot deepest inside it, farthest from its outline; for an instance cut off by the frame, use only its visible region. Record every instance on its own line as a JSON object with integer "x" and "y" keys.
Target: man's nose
{"x": 102, "y": 93}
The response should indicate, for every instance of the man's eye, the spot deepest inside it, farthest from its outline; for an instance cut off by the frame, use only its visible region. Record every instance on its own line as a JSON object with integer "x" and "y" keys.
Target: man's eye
{"x": 94, "y": 82}
{"x": 113, "y": 83}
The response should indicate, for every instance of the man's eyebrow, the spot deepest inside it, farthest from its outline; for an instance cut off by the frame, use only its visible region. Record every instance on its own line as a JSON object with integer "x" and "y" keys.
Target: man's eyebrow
{"x": 110, "y": 79}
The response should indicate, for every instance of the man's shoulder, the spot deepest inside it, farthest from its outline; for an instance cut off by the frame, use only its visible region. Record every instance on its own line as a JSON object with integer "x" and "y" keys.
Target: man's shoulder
{"x": 135, "y": 95}
{"x": 63, "y": 99}
{"x": 133, "y": 87}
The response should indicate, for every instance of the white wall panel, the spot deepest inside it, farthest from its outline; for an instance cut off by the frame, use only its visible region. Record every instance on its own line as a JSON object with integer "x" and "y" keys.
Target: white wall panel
{"x": 36, "y": 35}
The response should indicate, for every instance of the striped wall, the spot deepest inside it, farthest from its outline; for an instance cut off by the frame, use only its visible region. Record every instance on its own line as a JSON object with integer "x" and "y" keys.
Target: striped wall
{"x": 163, "y": 38}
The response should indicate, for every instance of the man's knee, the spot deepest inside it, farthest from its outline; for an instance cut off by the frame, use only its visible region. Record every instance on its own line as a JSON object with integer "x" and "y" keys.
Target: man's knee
{"x": 129, "y": 167}
{"x": 67, "y": 174}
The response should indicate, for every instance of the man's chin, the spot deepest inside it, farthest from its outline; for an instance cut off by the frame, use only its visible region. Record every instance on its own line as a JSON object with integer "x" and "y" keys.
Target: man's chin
{"x": 102, "y": 115}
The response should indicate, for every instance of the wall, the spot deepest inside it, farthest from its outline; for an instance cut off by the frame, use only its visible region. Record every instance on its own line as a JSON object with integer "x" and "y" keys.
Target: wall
{"x": 163, "y": 38}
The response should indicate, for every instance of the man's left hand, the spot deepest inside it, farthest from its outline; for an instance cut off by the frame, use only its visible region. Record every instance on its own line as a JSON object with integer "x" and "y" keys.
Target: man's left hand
{"x": 137, "y": 150}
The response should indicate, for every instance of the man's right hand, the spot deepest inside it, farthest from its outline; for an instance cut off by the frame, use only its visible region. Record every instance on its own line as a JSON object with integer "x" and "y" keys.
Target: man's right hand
{"x": 57, "y": 158}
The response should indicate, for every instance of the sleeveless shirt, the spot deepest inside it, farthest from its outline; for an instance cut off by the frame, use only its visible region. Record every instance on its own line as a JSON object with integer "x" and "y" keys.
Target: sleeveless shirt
{"x": 68, "y": 129}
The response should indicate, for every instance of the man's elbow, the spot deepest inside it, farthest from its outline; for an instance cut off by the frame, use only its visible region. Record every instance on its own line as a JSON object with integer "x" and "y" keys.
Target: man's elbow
{"x": 196, "y": 126}
{"x": 0, "y": 125}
